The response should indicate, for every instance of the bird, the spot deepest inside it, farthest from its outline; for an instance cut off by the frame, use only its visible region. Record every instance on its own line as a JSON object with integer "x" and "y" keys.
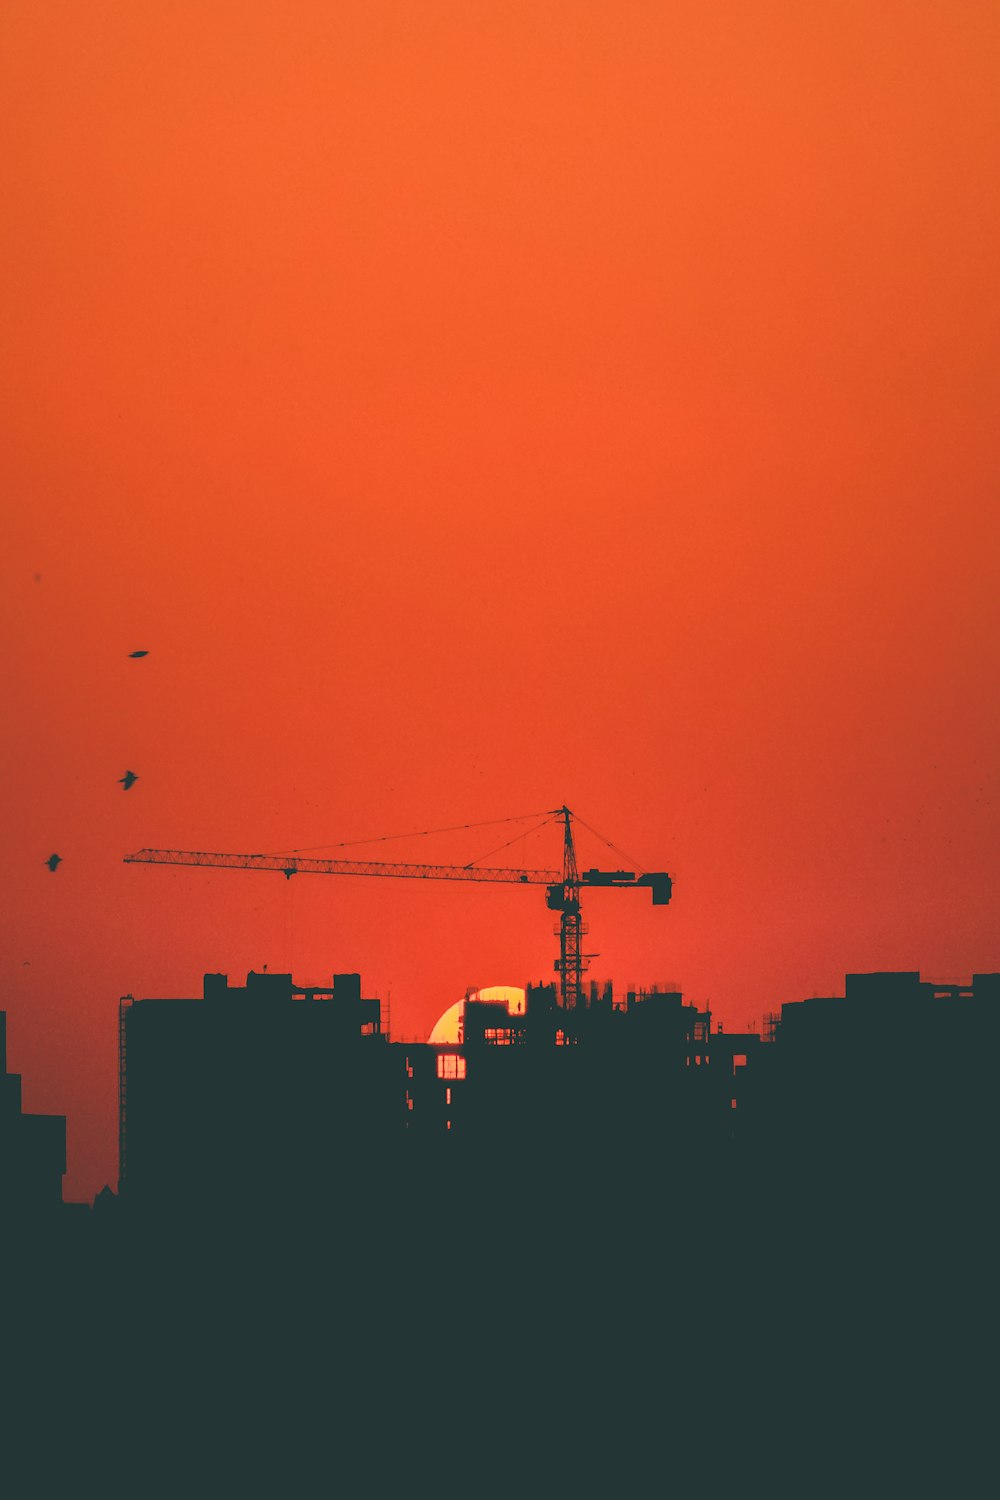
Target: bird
{"x": 128, "y": 779}
{"x": 138, "y": 653}
{"x": 53, "y": 861}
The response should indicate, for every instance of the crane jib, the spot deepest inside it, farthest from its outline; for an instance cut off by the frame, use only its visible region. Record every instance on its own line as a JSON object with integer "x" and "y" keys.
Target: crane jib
{"x": 288, "y": 865}
{"x": 659, "y": 882}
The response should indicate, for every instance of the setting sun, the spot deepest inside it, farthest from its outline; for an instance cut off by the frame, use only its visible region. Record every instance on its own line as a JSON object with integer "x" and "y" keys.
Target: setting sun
{"x": 449, "y": 1026}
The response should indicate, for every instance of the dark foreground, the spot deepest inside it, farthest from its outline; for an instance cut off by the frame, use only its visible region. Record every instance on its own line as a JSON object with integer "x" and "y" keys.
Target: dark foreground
{"x": 584, "y": 1332}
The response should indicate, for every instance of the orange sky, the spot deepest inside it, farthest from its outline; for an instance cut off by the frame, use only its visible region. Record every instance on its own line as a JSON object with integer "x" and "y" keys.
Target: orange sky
{"x": 476, "y": 406}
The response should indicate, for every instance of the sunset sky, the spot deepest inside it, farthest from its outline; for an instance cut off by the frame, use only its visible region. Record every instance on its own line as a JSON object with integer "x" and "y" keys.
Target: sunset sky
{"x": 475, "y": 406}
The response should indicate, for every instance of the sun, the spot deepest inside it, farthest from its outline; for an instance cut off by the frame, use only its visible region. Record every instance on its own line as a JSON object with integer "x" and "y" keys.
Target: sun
{"x": 449, "y": 1029}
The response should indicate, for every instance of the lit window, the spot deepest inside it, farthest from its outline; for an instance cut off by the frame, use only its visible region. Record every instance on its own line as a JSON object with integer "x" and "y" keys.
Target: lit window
{"x": 450, "y": 1065}
{"x": 732, "y": 1104}
{"x": 409, "y": 1100}
{"x": 447, "y": 1096}
{"x": 739, "y": 1060}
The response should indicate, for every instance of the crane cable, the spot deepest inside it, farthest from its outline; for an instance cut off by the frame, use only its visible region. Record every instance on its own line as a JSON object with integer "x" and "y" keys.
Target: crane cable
{"x": 543, "y": 824}
{"x": 641, "y": 868}
{"x": 385, "y": 838}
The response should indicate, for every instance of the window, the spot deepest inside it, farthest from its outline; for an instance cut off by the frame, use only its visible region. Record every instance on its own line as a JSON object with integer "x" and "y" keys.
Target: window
{"x": 409, "y": 1099}
{"x": 450, "y": 1065}
{"x": 447, "y": 1096}
{"x": 499, "y": 1036}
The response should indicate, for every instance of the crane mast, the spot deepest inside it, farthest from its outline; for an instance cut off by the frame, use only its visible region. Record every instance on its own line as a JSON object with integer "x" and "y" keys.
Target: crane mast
{"x": 563, "y": 894}
{"x": 570, "y": 929}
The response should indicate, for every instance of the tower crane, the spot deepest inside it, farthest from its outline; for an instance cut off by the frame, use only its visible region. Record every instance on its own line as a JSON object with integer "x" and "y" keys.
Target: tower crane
{"x": 563, "y": 887}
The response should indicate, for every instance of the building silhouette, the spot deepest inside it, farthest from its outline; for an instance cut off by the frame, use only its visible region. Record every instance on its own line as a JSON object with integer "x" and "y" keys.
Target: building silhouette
{"x": 274, "y": 1098}
{"x": 618, "y": 1080}
{"x": 268, "y": 1093}
{"x": 32, "y": 1151}
{"x": 277, "y": 1097}
{"x": 894, "y": 1080}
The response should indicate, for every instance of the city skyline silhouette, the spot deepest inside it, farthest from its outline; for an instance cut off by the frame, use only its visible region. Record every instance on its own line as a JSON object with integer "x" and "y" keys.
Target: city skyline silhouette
{"x": 275, "y": 1099}
{"x": 601, "y": 1240}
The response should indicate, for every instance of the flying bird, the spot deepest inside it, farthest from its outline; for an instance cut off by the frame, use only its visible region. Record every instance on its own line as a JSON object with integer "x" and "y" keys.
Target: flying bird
{"x": 128, "y": 779}
{"x": 53, "y": 861}
{"x": 138, "y": 653}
